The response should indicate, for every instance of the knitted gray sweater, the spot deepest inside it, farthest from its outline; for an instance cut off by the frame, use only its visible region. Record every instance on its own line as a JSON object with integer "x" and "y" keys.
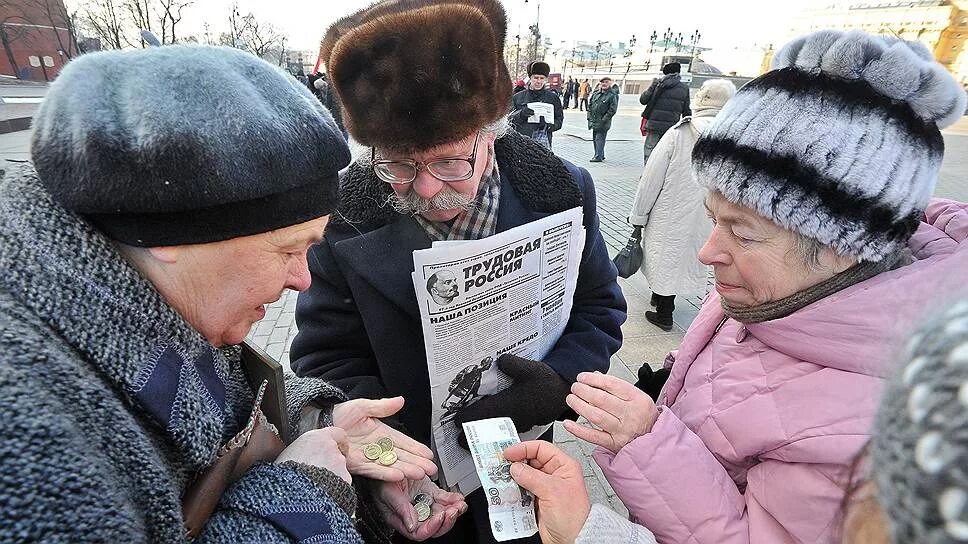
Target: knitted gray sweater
{"x": 110, "y": 402}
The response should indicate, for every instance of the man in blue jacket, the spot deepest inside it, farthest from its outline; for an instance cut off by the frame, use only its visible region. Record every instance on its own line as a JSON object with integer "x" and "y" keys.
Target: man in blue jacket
{"x": 442, "y": 166}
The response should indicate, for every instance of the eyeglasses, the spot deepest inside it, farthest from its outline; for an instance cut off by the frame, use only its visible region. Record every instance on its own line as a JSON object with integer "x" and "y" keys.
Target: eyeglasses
{"x": 447, "y": 169}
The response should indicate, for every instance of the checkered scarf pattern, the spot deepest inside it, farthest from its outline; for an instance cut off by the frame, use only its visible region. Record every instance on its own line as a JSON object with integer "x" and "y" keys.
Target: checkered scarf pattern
{"x": 478, "y": 222}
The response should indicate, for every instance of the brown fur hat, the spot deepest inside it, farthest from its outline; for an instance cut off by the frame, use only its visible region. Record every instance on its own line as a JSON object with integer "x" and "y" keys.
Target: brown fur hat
{"x": 415, "y": 74}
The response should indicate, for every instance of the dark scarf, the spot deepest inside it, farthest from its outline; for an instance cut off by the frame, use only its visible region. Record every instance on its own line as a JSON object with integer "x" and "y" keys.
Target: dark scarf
{"x": 783, "y": 307}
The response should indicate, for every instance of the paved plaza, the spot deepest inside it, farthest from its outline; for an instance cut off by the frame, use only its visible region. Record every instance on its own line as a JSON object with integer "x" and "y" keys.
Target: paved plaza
{"x": 615, "y": 181}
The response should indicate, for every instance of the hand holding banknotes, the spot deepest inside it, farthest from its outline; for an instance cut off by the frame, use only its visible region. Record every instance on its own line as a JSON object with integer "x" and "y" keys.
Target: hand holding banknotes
{"x": 360, "y": 418}
{"x": 398, "y": 502}
{"x": 559, "y": 485}
{"x": 622, "y": 411}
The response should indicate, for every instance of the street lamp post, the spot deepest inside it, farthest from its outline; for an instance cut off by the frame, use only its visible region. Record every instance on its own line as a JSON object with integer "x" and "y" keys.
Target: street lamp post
{"x": 694, "y": 40}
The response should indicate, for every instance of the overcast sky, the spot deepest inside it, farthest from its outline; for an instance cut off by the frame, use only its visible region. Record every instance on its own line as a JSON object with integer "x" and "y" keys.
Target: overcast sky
{"x": 721, "y": 23}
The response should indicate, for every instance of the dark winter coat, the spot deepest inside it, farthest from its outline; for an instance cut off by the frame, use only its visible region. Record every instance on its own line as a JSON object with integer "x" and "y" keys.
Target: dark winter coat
{"x": 571, "y": 88}
{"x": 520, "y": 121}
{"x": 359, "y": 324}
{"x": 111, "y": 402}
{"x": 602, "y": 106}
{"x": 670, "y": 97}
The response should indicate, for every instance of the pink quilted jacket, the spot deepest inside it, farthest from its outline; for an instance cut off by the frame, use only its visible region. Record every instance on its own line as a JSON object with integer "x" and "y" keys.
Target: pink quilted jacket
{"x": 760, "y": 423}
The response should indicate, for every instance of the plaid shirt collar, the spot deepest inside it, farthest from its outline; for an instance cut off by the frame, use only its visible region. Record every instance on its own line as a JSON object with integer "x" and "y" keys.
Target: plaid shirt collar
{"x": 478, "y": 222}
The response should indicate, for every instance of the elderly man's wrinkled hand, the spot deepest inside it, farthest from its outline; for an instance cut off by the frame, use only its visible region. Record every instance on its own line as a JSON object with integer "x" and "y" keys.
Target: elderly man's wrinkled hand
{"x": 361, "y": 420}
{"x": 395, "y": 503}
{"x": 324, "y": 448}
{"x": 622, "y": 411}
{"x": 559, "y": 485}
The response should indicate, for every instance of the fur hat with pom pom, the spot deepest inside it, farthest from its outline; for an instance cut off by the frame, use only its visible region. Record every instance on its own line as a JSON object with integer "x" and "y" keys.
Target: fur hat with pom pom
{"x": 840, "y": 141}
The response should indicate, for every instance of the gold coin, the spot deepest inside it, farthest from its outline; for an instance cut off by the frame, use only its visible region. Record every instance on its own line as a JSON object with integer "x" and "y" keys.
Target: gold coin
{"x": 372, "y": 451}
{"x": 423, "y": 511}
{"x": 385, "y": 443}
{"x": 387, "y": 458}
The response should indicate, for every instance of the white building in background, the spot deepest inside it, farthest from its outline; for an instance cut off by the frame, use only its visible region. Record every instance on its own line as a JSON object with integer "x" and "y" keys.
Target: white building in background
{"x": 739, "y": 60}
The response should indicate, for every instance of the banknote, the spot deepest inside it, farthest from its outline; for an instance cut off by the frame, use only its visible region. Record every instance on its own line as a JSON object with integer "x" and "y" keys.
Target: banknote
{"x": 511, "y": 508}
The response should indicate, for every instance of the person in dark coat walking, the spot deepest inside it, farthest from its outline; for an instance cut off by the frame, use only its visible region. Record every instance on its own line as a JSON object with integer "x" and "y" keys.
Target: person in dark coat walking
{"x": 453, "y": 173}
{"x": 319, "y": 85}
{"x": 601, "y": 108}
{"x": 569, "y": 92}
{"x": 537, "y": 91}
{"x": 666, "y": 101}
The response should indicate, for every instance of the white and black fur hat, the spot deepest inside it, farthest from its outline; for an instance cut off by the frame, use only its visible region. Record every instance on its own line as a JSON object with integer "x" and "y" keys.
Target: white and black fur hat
{"x": 839, "y": 142}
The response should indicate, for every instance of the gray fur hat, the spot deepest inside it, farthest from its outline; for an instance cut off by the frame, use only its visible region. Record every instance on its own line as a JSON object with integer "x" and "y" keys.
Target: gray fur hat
{"x": 840, "y": 142}
{"x": 919, "y": 451}
{"x": 215, "y": 144}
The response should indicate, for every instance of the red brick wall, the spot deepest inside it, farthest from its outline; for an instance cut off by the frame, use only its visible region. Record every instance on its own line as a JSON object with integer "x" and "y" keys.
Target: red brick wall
{"x": 27, "y": 31}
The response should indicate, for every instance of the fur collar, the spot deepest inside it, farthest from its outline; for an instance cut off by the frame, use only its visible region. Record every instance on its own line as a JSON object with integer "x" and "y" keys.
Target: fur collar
{"x": 538, "y": 177}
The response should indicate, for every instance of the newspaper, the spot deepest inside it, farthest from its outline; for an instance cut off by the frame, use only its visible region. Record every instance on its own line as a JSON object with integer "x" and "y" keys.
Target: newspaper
{"x": 508, "y": 293}
{"x": 509, "y": 506}
{"x": 542, "y": 109}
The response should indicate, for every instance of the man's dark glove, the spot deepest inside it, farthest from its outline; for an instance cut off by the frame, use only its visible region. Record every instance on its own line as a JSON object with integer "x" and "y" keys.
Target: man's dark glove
{"x": 542, "y": 124}
{"x": 536, "y": 397}
{"x": 524, "y": 113}
{"x": 651, "y": 381}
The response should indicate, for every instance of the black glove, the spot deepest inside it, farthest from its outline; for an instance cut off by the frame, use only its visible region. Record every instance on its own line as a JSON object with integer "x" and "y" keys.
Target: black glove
{"x": 524, "y": 113}
{"x": 651, "y": 381}
{"x": 542, "y": 124}
{"x": 536, "y": 397}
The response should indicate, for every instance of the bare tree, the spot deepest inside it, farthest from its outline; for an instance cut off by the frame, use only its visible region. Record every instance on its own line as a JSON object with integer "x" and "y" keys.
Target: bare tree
{"x": 250, "y": 34}
{"x": 103, "y": 19}
{"x": 140, "y": 14}
{"x": 171, "y": 15}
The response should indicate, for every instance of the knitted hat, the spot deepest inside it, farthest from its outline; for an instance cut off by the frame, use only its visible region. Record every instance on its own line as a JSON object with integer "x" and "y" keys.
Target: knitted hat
{"x": 919, "y": 451}
{"x": 714, "y": 93}
{"x": 216, "y": 144}
{"x": 539, "y": 68}
{"x": 672, "y": 68}
{"x": 840, "y": 142}
{"x": 415, "y": 74}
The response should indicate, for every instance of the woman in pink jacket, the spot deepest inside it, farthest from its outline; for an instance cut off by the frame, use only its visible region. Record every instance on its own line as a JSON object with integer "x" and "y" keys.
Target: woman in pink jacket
{"x": 826, "y": 252}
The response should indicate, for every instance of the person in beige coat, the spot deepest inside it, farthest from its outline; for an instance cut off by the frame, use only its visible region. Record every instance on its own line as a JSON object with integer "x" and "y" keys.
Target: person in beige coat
{"x": 669, "y": 206}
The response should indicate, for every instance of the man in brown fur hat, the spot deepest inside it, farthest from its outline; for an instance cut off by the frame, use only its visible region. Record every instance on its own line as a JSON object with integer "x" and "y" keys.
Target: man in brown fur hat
{"x": 424, "y": 85}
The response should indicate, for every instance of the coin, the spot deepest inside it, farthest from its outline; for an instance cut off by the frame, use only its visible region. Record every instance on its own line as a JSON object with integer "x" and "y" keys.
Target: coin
{"x": 385, "y": 443}
{"x": 422, "y": 498}
{"x": 372, "y": 451}
{"x": 423, "y": 511}
{"x": 387, "y": 458}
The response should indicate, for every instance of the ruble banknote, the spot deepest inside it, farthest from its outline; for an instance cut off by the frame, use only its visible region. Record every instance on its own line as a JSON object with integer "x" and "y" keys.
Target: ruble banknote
{"x": 510, "y": 507}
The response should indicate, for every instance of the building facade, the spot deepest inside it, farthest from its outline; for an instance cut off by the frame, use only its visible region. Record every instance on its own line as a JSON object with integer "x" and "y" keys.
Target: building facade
{"x": 36, "y": 39}
{"x": 941, "y": 25}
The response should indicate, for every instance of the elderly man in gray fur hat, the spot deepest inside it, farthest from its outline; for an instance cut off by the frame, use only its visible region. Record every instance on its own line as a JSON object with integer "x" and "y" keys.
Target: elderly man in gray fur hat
{"x": 442, "y": 166}
{"x": 159, "y": 221}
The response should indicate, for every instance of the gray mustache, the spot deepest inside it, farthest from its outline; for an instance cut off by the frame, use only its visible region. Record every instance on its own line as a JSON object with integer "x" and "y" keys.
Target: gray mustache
{"x": 446, "y": 199}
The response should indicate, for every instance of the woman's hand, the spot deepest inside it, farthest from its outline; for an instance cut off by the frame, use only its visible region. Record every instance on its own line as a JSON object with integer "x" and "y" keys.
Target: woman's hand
{"x": 394, "y": 500}
{"x": 559, "y": 485}
{"x": 361, "y": 420}
{"x": 324, "y": 448}
{"x": 618, "y": 408}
